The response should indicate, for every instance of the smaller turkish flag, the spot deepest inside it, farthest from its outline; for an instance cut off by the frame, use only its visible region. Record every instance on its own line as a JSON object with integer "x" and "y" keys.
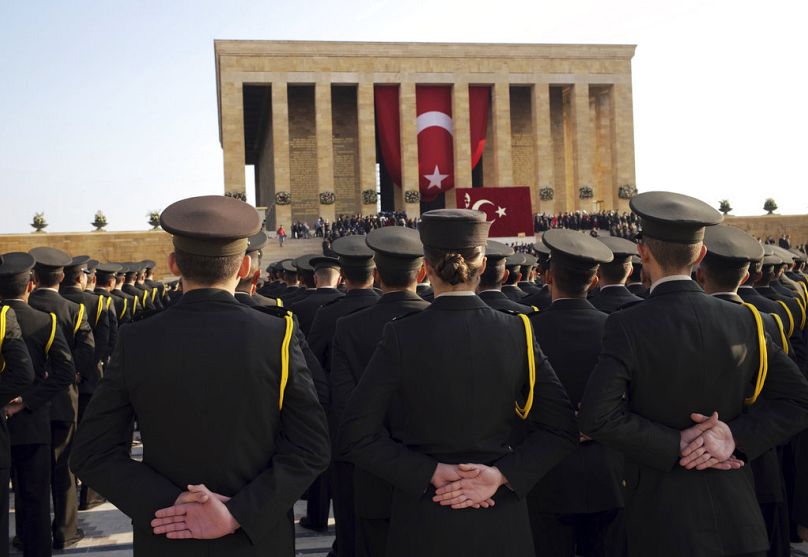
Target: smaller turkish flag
{"x": 508, "y": 208}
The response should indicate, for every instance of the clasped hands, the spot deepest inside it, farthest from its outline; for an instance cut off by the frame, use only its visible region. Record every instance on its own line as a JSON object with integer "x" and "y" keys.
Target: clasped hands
{"x": 197, "y": 513}
{"x": 463, "y": 486}
{"x": 708, "y": 444}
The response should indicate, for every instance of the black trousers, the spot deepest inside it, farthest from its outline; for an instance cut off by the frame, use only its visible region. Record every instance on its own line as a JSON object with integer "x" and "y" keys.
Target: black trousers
{"x": 589, "y": 535}
{"x": 63, "y": 483}
{"x": 30, "y": 473}
{"x": 318, "y": 500}
{"x": 86, "y": 495}
{"x": 344, "y": 515}
{"x": 4, "y": 475}
{"x": 371, "y": 536}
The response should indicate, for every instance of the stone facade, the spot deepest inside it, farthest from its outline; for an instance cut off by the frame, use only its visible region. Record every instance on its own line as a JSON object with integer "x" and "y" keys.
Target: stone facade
{"x": 303, "y": 114}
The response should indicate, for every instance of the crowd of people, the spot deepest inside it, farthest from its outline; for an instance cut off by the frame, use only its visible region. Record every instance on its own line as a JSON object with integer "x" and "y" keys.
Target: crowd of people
{"x": 650, "y": 398}
{"x": 346, "y": 225}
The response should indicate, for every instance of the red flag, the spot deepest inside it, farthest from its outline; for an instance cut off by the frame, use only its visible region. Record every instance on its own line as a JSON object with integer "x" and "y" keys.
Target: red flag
{"x": 386, "y": 97}
{"x": 509, "y": 208}
{"x": 433, "y": 106}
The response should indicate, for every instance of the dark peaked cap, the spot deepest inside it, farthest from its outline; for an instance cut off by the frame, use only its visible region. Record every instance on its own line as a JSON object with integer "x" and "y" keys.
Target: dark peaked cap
{"x": 496, "y": 251}
{"x": 396, "y": 248}
{"x": 109, "y": 268}
{"x": 572, "y": 248}
{"x": 620, "y": 247}
{"x": 211, "y": 225}
{"x": 731, "y": 245}
{"x": 515, "y": 261}
{"x": 353, "y": 252}
{"x": 323, "y": 262}
{"x": 673, "y": 217}
{"x": 78, "y": 261}
{"x": 785, "y": 255}
{"x": 288, "y": 266}
{"x": 257, "y": 242}
{"x": 15, "y": 263}
{"x": 453, "y": 228}
{"x": 51, "y": 257}
{"x": 303, "y": 263}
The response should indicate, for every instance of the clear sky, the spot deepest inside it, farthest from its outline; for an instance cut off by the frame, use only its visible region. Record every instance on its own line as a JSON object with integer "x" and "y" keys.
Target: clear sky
{"x": 112, "y": 105}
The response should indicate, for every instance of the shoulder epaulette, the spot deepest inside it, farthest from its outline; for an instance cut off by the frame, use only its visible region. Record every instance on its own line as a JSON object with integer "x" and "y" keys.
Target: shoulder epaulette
{"x": 509, "y": 311}
{"x": 273, "y": 310}
{"x": 629, "y": 304}
{"x": 356, "y": 310}
{"x": 332, "y": 302}
{"x": 405, "y": 315}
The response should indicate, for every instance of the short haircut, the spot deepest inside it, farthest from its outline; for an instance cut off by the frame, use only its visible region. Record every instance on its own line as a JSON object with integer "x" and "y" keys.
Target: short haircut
{"x": 47, "y": 277}
{"x": 725, "y": 276}
{"x": 72, "y": 276}
{"x": 398, "y": 278}
{"x": 492, "y": 276}
{"x": 671, "y": 255}
{"x": 290, "y": 276}
{"x": 359, "y": 275}
{"x": 13, "y": 286}
{"x": 246, "y": 282}
{"x": 615, "y": 272}
{"x": 636, "y": 273}
{"x": 326, "y": 274}
{"x": 571, "y": 280}
{"x": 204, "y": 269}
{"x": 513, "y": 276}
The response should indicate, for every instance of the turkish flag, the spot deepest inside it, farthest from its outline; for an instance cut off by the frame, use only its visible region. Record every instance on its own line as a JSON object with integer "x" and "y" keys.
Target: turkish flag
{"x": 433, "y": 107}
{"x": 508, "y": 208}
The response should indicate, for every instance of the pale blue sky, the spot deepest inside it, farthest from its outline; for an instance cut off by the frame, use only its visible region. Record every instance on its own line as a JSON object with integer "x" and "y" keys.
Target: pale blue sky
{"x": 112, "y": 105}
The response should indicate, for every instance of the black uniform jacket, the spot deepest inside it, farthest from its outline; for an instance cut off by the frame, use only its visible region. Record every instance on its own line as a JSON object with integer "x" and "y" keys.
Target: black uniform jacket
{"x": 682, "y": 351}
{"x": 448, "y": 377}
{"x": 498, "y": 300}
{"x": 64, "y": 406}
{"x": 541, "y": 299}
{"x": 588, "y": 480}
{"x": 98, "y": 318}
{"x": 308, "y": 306}
{"x": 355, "y": 340}
{"x": 53, "y": 373}
{"x": 513, "y": 292}
{"x": 264, "y": 301}
{"x": 638, "y": 289}
{"x": 206, "y": 398}
{"x": 145, "y": 306}
{"x": 17, "y": 375}
{"x": 611, "y": 298}
{"x": 528, "y": 287}
{"x": 126, "y": 306}
{"x": 112, "y": 317}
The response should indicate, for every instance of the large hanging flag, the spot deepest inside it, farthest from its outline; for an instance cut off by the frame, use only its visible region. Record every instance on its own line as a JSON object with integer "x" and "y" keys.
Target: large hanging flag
{"x": 507, "y": 208}
{"x": 435, "y": 133}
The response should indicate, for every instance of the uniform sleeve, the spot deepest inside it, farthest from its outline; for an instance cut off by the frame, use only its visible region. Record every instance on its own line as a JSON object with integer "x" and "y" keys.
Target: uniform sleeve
{"x": 342, "y": 376}
{"x": 363, "y": 438}
{"x": 101, "y": 333}
{"x": 780, "y": 412}
{"x": 319, "y": 340}
{"x": 19, "y": 370}
{"x": 314, "y": 367}
{"x": 84, "y": 349}
{"x": 112, "y": 320}
{"x": 61, "y": 373}
{"x": 552, "y": 432}
{"x": 605, "y": 416}
{"x": 100, "y": 455}
{"x": 303, "y": 452}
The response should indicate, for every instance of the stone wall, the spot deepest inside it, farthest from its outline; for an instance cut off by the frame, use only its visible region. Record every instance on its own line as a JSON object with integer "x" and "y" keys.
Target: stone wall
{"x": 104, "y": 246}
{"x": 523, "y": 150}
{"x": 763, "y": 226}
{"x": 345, "y": 143}
{"x": 303, "y": 154}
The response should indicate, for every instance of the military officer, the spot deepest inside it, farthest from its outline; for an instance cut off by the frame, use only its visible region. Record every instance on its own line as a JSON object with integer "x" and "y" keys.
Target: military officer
{"x": 29, "y": 414}
{"x": 305, "y": 272}
{"x": 398, "y": 256}
{"x": 105, "y": 283}
{"x": 490, "y": 287}
{"x": 635, "y": 283}
{"x": 156, "y": 289}
{"x": 326, "y": 278}
{"x": 612, "y": 276}
{"x": 292, "y": 279}
{"x": 267, "y": 420}
{"x": 131, "y": 302}
{"x": 528, "y": 284}
{"x": 683, "y": 357}
{"x": 541, "y": 299}
{"x": 574, "y": 509}
{"x": 246, "y": 287}
{"x": 514, "y": 263}
{"x": 449, "y": 417}
{"x": 73, "y": 321}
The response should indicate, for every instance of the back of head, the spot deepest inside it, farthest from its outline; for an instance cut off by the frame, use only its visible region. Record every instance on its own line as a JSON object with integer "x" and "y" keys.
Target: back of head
{"x": 454, "y": 241}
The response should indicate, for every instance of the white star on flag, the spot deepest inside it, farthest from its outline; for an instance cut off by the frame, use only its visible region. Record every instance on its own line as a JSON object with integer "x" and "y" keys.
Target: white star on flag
{"x": 500, "y": 211}
{"x": 435, "y": 178}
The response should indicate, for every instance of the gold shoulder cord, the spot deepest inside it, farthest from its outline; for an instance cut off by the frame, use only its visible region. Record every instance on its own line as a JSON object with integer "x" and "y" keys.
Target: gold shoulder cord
{"x": 78, "y": 320}
{"x": 109, "y": 301}
{"x": 279, "y": 302}
{"x": 783, "y": 337}
{"x": 523, "y": 411}
{"x": 52, "y": 334}
{"x": 99, "y": 309}
{"x": 3, "y": 313}
{"x": 764, "y": 357}
{"x": 790, "y": 318}
{"x": 123, "y": 311}
{"x": 287, "y": 337}
{"x": 802, "y": 312}
{"x": 153, "y": 294}
{"x": 535, "y": 308}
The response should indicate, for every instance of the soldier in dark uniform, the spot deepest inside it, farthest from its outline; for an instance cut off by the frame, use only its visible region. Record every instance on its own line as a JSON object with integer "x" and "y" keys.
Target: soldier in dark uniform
{"x": 490, "y": 288}
{"x": 131, "y": 308}
{"x": 305, "y": 272}
{"x": 104, "y": 285}
{"x": 730, "y": 251}
{"x": 399, "y": 259}
{"x": 541, "y": 299}
{"x": 326, "y": 277}
{"x": 29, "y": 414}
{"x": 267, "y": 421}
{"x": 144, "y": 306}
{"x": 513, "y": 263}
{"x": 356, "y": 267}
{"x": 274, "y": 284}
{"x": 612, "y": 276}
{"x": 635, "y": 283}
{"x": 72, "y": 319}
{"x": 574, "y": 509}
{"x": 246, "y": 287}
{"x": 673, "y": 360}
{"x": 292, "y": 279}
{"x": 528, "y": 284}
{"x": 450, "y": 419}
{"x": 156, "y": 289}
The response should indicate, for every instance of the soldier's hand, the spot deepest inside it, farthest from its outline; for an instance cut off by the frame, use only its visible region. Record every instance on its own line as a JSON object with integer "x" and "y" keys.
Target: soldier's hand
{"x": 13, "y": 407}
{"x": 471, "y": 492}
{"x": 444, "y": 474}
{"x": 714, "y": 446}
{"x": 203, "y": 521}
{"x": 199, "y": 494}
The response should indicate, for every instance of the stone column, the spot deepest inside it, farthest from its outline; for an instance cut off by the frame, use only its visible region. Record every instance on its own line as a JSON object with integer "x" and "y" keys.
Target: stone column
{"x": 280, "y": 143}
{"x": 461, "y": 137}
{"x": 409, "y": 148}
{"x": 366, "y": 126}
{"x": 232, "y": 99}
{"x": 325, "y": 148}
{"x": 623, "y": 146}
{"x": 543, "y": 142}
{"x": 503, "y": 160}
{"x": 584, "y": 137}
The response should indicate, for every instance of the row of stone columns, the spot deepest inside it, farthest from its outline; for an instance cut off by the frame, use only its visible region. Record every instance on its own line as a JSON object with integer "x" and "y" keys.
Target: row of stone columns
{"x": 582, "y": 141}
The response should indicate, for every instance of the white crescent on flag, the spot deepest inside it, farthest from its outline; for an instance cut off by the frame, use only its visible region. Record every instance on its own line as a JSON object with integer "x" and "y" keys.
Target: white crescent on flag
{"x": 432, "y": 119}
